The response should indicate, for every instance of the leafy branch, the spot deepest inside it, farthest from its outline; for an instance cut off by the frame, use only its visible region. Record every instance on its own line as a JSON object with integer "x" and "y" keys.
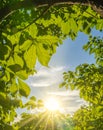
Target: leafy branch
{"x": 42, "y": 14}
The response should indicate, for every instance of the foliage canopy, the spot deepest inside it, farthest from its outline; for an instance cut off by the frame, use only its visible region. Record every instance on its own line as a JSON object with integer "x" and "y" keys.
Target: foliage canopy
{"x": 29, "y": 33}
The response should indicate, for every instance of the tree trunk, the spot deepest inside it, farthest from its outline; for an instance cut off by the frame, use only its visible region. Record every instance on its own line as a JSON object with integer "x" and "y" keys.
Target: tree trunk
{"x": 96, "y": 5}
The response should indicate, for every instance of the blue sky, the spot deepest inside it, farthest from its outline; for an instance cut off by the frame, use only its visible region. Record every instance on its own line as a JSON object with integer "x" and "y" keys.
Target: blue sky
{"x": 71, "y": 53}
{"x": 45, "y": 83}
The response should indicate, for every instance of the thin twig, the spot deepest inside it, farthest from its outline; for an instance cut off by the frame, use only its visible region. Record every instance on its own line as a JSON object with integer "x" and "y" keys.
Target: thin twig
{"x": 91, "y": 14}
{"x": 6, "y": 16}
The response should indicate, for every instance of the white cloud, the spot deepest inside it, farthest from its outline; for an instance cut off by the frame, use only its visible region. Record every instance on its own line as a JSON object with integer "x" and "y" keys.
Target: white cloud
{"x": 65, "y": 93}
{"x": 39, "y": 84}
{"x": 70, "y": 100}
{"x": 46, "y": 77}
{"x": 45, "y": 83}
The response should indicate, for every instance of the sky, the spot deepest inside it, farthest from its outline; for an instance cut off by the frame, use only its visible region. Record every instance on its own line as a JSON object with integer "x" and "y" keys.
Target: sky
{"x": 46, "y": 82}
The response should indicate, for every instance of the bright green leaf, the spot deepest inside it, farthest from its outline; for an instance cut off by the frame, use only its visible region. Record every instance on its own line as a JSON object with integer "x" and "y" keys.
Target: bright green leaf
{"x": 24, "y": 89}
{"x": 43, "y": 55}
{"x": 26, "y": 45}
{"x": 18, "y": 60}
{"x": 22, "y": 74}
{"x": 30, "y": 56}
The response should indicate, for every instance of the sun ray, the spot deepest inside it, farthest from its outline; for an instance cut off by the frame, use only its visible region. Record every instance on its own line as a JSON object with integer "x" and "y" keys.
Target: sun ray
{"x": 64, "y": 119}
{"x": 45, "y": 128}
{"x": 58, "y": 120}
{"x": 52, "y": 121}
{"x": 26, "y": 121}
{"x": 41, "y": 119}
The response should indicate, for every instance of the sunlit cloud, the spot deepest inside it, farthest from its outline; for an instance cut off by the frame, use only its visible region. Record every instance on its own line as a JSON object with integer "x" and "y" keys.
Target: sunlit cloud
{"x": 65, "y": 93}
{"x": 40, "y": 85}
{"x": 45, "y": 84}
{"x": 70, "y": 100}
{"x": 47, "y": 77}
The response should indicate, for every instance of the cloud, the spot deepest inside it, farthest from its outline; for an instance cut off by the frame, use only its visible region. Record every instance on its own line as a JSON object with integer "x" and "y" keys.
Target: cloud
{"x": 47, "y": 77}
{"x": 40, "y": 85}
{"x": 65, "y": 93}
{"x": 45, "y": 84}
{"x": 70, "y": 100}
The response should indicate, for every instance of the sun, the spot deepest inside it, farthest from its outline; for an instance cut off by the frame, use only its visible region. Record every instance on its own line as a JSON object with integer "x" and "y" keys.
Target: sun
{"x": 52, "y": 104}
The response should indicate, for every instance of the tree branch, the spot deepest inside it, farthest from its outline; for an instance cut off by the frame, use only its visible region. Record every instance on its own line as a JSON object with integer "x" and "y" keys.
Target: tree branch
{"x": 96, "y": 5}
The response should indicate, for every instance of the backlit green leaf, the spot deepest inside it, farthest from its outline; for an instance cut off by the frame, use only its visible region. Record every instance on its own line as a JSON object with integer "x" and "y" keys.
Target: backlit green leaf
{"x": 30, "y": 56}
{"x": 26, "y": 45}
{"x": 22, "y": 74}
{"x": 43, "y": 55}
{"x": 24, "y": 89}
{"x": 18, "y": 60}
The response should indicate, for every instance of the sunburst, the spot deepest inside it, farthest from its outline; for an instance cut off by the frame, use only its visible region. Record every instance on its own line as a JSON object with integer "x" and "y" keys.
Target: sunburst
{"x": 52, "y": 104}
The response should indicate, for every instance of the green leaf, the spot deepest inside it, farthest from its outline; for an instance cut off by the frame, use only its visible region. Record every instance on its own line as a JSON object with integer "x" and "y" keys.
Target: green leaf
{"x": 14, "y": 38}
{"x": 26, "y": 45}
{"x": 62, "y": 84}
{"x": 33, "y": 98}
{"x": 22, "y": 74}
{"x": 16, "y": 103}
{"x": 40, "y": 103}
{"x": 3, "y": 52}
{"x": 10, "y": 61}
{"x": 4, "y": 101}
{"x": 18, "y": 60}
{"x": 13, "y": 88}
{"x": 99, "y": 24}
{"x": 33, "y": 30}
{"x": 1, "y": 72}
{"x": 66, "y": 28}
{"x": 30, "y": 56}
{"x": 86, "y": 47}
{"x": 31, "y": 104}
{"x": 24, "y": 89}
{"x": 15, "y": 67}
{"x": 43, "y": 54}
{"x": 73, "y": 25}
{"x": 72, "y": 87}
{"x": 2, "y": 96}
{"x": 8, "y": 127}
